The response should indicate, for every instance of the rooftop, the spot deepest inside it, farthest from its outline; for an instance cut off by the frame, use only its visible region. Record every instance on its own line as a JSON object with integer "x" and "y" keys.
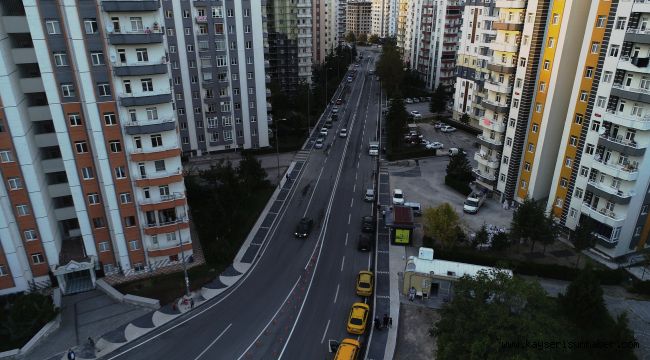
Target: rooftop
{"x": 446, "y": 268}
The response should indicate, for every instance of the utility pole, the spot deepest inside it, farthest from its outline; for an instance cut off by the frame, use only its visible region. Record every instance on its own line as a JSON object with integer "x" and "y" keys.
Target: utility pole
{"x": 180, "y": 243}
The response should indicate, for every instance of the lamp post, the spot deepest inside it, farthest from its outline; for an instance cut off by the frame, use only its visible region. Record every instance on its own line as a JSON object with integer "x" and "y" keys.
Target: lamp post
{"x": 180, "y": 243}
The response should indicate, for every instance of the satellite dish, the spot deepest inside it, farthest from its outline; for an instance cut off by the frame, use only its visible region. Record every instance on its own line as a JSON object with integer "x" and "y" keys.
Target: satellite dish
{"x": 109, "y": 28}
{"x": 602, "y": 130}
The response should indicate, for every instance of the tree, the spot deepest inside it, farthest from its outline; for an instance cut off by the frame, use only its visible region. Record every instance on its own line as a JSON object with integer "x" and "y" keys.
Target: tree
{"x": 362, "y": 39}
{"x": 464, "y": 119}
{"x": 251, "y": 174}
{"x": 459, "y": 173}
{"x": 350, "y": 37}
{"x": 500, "y": 241}
{"x": 491, "y": 309}
{"x": 373, "y": 39}
{"x": 439, "y": 100}
{"x": 550, "y": 231}
{"x": 441, "y": 223}
{"x": 390, "y": 68}
{"x": 397, "y": 119}
{"x": 583, "y": 237}
{"x": 22, "y": 316}
{"x": 481, "y": 237}
{"x": 528, "y": 222}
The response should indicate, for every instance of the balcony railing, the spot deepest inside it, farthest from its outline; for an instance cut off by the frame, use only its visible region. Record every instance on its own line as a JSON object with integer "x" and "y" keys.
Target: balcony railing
{"x": 611, "y": 190}
{"x": 158, "y": 175}
{"x": 628, "y": 120}
{"x": 631, "y": 89}
{"x": 486, "y": 176}
{"x": 486, "y": 160}
{"x": 179, "y": 220}
{"x": 621, "y": 141}
{"x": 604, "y": 215}
{"x": 164, "y": 199}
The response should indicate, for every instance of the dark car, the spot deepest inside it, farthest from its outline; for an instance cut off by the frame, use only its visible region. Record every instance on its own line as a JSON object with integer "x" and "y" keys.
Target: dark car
{"x": 364, "y": 243}
{"x": 368, "y": 224}
{"x": 334, "y": 117}
{"x": 303, "y": 228}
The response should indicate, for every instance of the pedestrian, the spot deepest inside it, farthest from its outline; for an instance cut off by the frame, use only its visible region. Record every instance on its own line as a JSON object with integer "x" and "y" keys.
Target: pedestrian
{"x": 91, "y": 341}
{"x": 377, "y": 323}
{"x": 192, "y": 303}
{"x": 288, "y": 177}
{"x": 390, "y": 322}
{"x": 71, "y": 355}
{"x": 385, "y": 322}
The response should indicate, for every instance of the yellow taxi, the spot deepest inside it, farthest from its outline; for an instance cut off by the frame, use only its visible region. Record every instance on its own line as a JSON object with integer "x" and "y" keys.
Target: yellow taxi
{"x": 358, "y": 318}
{"x": 364, "y": 283}
{"x": 349, "y": 349}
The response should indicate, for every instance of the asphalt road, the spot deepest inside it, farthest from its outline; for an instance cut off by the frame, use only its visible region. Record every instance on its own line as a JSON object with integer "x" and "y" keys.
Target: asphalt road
{"x": 298, "y": 294}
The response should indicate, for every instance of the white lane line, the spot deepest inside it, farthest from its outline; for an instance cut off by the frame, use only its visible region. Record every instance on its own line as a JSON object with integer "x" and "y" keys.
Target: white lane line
{"x": 213, "y": 341}
{"x": 369, "y": 260}
{"x": 352, "y": 202}
{"x": 357, "y": 164}
{"x": 354, "y": 189}
{"x": 336, "y": 296}
{"x": 271, "y": 320}
{"x": 325, "y": 332}
{"x": 346, "y": 239}
{"x": 355, "y": 175}
{"x": 349, "y": 218}
{"x": 342, "y": 262}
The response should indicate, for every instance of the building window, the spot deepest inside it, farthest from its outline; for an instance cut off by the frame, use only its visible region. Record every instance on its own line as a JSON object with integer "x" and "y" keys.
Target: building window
{"x": 567, "y": 162}
{"x": 535, "y": 128}
{"x": 573, "y": 141}
{"x": 129, "y": 221}
{"x": 589, "y": 72}
{"x": 524, "y": 184}
{"x": 115, "y": 146}
{"x": 90, "y": 25}
{"x": 547, "y": 64}
{"x": 584, "y": 171}
{"x": 99, "y": 223}
{"x": 147, "y": 84}
{"x": 81, "y": 147}
{"x": 136, "y": 24}
{"x": 527, "y": 166}
{"x": 142, "y": 55}
{"x": 22, "y": 210}
{"x": 563, "y": 182}
{"x": 104, "y": 246}
{"x": 607, "y": 76}
{"x": 156, "y": 140}
{"x": 613, "y": 50}
{"x": 93, "y": 199}
{"x": 583, "y": 95}
{"x": 600, "y": 21}
{"x": 87, "y": 173}
{"x": 6, "y": 156}
{"x": 120, "y": 172}
{"x": 190, "y": 48}
{"x": 590, "y": 149}
{"x": 595, "y": 126}
{"x": 620, "y": 23}
{"x": 125, "y": 198}
{"x": 159, "y": 165}
{"x": 578, "y": 119}
{"x": 53, "y": 27}
{"x": 550, "y": 43}
{"x": 601, "y": 102}
{"x": 556, "y": 18}
{"x": 30, "y": 235}
{"x": 67, "y": 90}
{"x": 60, "y": 59}
{"x": 97, "y": 58}
{"x": 104, "y": 89}
{"x": 15, "y": 183}
{"x": 538, "y": 107}
{"x": 531, "y": 147}
{"x": 578, "y": 193}
{"x": 558, "y": 202}
{"x": 38, "y": 258}
{"x": 572, "y": 213}
{"x": 110, "y": 119}
{"x": 134, "y": 245}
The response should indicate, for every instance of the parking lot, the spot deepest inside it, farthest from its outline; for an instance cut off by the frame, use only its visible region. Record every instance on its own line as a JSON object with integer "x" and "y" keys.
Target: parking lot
{"x": 424, "y": 181}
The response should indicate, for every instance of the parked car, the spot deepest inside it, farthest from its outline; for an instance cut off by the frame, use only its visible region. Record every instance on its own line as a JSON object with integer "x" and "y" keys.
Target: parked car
{"x": 335, "y": 110}
{"x": 318, "y": 144}
{"x": 434, "y": 145}
{"x": 349, "y": 79}
{"x": 358, "y": 318}
{"x": 328, "y": 123}
{"x": 438, "y": 125}
{"x": 416, "y": 207}
{"x": 416, "y": 114}
{"x": 447, "y": 129}
{"x": 323, "y": 131}
{"x": 364, "y": 243}
{"x": 343, "y": 133}
{"x": 303, "y": 228}
{"x": 334, "y": 117}
{"x": 423, "y": 99}
{"x": 368, "y": 224}
{"x": 428, "y": 98}
{"x": 398, "y": 197}
{"x": 456, "y": 151}
{"x": 365, "y": 281}
{"x": 474, "y": 202}
{"x": 370, "y": 195}
{"x": 416, "y": 100}
{"x": 408, "y": 101}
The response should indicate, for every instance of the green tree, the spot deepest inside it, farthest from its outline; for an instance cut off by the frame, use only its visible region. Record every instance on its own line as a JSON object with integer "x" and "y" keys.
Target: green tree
{"x": 439, "y": 100}
{"x": 459, "y": 173}
{"x": 396, "y": 119}
{"x": 442, "y": 223}
{"x": 350, "y": 37}
{"x": 22, "y": 316}
{"x": 373, "y": 39}
{"x": 251, "y": 174}
{"x": 390, "y": 69}
{"x": 362, "y": 39}
{"x": 481, "y": 237}
{"x": 550, "y": 231}
{"x": 464, "y": 119}
{"x": 493, "y": 308}
{"x": 529, "y": 222}
{"x": 500, "y": 241}
{"x": 583, "y": 237}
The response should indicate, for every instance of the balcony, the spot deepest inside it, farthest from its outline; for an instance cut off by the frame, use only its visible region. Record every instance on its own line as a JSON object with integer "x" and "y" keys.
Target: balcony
{"x": 141, "y": 68}
{"x": 602, "y": 215}
{"x": 493, "y": 144}
{"x": 130, "y": 5}
{"x": 632, "y": 93}
{"x": 157, "y": 153}
{"x": 167, "y": 250}
{"x": 146, "y": 98}
{"x": 495, "y": 106}
{"x": 492, "y": 125}
{"x": 159, "y": 178}
{"x": 504, "y": 47}
{"x": 24, "y": 55}
{"x": 627, "y": 172}
{"x": 631, "y": 148}
{"x": 508, "y": 26}
{"x": 483, "y": 159}
{"x": 637, "y": 36}
{"x": 498, "y": 87}
{"x": 150, "y": 126}
{"x": 511, "y": 4}
{"x": 15, "y": 24}
{"x": 635, "y": 64}
{"x": 135, "y": 38}
{"x": 164, "y": 202}
{"x": 641, "y": 6}
{"x": 165, "y": 227}
{"x": 202, "y": 19}
{"x": 502, "y": 68}
{"x": 485, "y": 177}
{"x": 609, "y": 193}
{"x": 630, "y": 121}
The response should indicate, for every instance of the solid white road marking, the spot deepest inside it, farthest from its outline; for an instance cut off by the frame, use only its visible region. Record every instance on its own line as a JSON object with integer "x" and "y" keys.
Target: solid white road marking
{"x": 342, "y": 262}
{"x": 354, "y": 189}
{"x": 336, "y": 296}
{"x": 325, "y": 332}
{"x": 213, "y": 341}
{"x": 349, "y": 218}
{"x": 352, "y": 202}
{"x": 346, "y": 239}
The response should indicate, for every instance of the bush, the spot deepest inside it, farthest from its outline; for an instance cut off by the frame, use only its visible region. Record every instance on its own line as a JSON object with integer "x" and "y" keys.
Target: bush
{"x": 460, "y": 186}
{"x": 553, "y": 271}
{"x": 641, "y": 287}
{"x": 22, "y": 316}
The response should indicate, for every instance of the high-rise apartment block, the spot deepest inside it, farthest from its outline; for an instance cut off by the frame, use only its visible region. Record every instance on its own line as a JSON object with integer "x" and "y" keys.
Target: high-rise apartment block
{"x": 359, "y": 17}
{"x": 380, "y": 17}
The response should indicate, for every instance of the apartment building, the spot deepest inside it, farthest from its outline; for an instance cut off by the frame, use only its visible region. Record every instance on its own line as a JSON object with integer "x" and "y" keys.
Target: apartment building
{"x": 359, "y": 17}
{"x": 325, "y": 28}
{"x": 289, "y": 25}
{"x": 603, "y": 173}
{"x": 341, "y": 20}
{"x": 90, "y": 154}
{"x": 404, "y": 17}
{"x": 434, "y": 40}
{"x": 380, "y": 17}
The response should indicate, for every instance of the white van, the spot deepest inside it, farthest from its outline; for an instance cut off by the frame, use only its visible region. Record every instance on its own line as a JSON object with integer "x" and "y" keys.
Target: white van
{"x": 416, "y": 207}
{"x": 473, "y": 202}
{"x": 373, "y": 148}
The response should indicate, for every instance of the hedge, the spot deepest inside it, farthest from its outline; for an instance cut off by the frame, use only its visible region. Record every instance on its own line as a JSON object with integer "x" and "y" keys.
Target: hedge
{"x": 552, "y": 271}
{"x": 457, "y": 185}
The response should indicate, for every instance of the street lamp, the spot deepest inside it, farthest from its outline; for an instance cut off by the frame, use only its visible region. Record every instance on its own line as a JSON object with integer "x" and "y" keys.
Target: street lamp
{"x": 180, "y": 243}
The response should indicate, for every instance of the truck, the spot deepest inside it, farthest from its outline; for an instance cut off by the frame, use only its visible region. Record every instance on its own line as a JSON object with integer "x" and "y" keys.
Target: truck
{"x": 473, "y": 202}
{"x": 373, "y": 148}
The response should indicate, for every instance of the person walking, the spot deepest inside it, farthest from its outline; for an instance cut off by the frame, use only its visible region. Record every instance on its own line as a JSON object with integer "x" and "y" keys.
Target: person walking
{"x": 71, "y": 355}
{"x": 192, "y": 303}
{"x": 377, "y": 323}
{"x": 385, "y": 322}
